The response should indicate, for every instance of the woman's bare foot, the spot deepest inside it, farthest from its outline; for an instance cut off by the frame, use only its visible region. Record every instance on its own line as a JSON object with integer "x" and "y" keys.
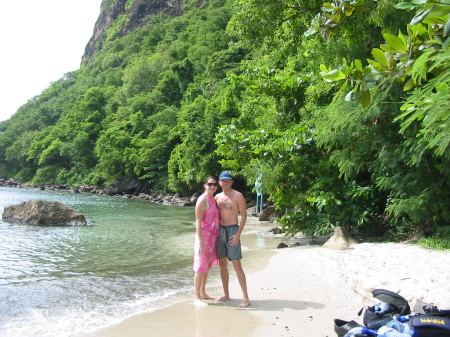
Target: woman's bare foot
{"x": 245, "y": 303}
{"x": 199, "y": 303}
{"x": 223, "y": 298}
{"x": 208, "y": 297}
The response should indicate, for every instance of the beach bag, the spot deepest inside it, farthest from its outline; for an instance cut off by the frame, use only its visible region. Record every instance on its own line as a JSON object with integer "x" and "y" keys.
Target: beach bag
{"x": 431, "y": 325}
{"x": 390, "y": 304}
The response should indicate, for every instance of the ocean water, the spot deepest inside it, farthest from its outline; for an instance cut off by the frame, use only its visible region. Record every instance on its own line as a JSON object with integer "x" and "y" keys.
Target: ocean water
{"x": 134, "y": 257}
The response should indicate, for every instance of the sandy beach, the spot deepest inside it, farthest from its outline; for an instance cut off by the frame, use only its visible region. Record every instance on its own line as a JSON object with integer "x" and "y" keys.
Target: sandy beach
{"x": 298, "y": 291}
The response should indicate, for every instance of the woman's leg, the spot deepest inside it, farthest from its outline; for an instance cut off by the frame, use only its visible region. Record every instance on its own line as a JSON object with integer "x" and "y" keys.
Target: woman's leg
{"x": 197, "y": 285}
{"x": 203, "y": 293}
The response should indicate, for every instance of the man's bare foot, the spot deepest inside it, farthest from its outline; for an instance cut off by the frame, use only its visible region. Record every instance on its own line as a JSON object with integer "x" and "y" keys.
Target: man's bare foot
{"x": 199, "y": 303}
{"x": 208, "y": 297}
{"x": 223, "y": 298}
{"x": 245, "y": 303}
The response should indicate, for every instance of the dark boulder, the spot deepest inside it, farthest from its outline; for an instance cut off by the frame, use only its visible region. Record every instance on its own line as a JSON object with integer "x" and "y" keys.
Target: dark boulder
{"x": 125, "y": 186}
{"x": 270, "y": 214}
{"x": 282, "y": 245}
{"x": 43, "y": 213}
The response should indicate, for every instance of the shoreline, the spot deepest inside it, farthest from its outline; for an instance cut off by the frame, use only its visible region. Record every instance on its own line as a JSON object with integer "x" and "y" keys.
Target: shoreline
{"x": 258, "y": 248}
{"x": 299, "y": 291}
{"x": 155, "y": 197}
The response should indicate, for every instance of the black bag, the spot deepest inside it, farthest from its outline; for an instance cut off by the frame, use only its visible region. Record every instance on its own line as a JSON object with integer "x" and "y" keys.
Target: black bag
{"x": 390, "y": 304}
{"x": 431, "y": 325}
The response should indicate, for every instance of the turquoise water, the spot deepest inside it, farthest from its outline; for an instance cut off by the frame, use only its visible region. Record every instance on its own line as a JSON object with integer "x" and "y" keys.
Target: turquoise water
{"x": 56, "y": 281}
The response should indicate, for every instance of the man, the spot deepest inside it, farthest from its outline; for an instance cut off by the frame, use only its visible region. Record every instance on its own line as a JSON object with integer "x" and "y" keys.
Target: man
{"x": 231, "y": 203}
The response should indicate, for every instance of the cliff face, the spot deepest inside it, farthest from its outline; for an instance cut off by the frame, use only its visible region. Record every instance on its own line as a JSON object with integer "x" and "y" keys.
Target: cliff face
{"x": 137, "y": 16}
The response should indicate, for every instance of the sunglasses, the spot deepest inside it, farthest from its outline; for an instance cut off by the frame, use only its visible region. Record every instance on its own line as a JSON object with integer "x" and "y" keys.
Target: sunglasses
{"x": 211, "y": 184}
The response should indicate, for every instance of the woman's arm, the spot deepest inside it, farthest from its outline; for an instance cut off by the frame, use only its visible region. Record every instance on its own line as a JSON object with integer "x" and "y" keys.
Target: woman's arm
{"x": 200, "y": 208}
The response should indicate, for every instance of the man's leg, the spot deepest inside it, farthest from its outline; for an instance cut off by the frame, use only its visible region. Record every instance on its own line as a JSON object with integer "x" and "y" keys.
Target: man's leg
{"x": 224, "y": 275}
{"x": 242, "y": 282}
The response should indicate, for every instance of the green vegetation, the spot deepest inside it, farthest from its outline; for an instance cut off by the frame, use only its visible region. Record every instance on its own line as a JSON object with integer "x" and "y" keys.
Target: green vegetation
{"x": 343, "y": 107}
{"x": 440, "y": 241}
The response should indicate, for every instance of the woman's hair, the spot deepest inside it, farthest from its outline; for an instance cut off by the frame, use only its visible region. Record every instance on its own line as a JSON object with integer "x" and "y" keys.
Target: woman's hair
{"x": 210, "y": 177}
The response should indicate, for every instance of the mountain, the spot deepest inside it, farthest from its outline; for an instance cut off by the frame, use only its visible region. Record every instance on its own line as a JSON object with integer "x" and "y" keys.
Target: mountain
{"x": 136, "y": 15}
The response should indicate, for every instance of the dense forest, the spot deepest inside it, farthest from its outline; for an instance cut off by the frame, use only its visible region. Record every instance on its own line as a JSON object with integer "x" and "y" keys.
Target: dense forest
{"x": 342, "y": 108}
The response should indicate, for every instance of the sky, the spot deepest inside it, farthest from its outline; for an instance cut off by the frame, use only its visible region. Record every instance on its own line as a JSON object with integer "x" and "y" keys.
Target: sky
{"x": 40, "y": 41}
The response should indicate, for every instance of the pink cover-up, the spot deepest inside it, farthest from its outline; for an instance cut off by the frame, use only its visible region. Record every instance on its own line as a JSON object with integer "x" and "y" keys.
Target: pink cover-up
{"x": 210, "y": 231}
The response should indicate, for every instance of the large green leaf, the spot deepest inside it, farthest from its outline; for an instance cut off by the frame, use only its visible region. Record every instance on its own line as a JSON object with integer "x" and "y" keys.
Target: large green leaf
{"x": 409, "y": 85}
{"x": 420, "y": 16}
{"x": 396, "y": 43}
{"x": 365, "y": 99}
{"x": 447, "y": 28}
{"x": 380, "y": 57}
{"x": 333, "y": 75}
{"x": 405, "y": 5}
{"x": 438, "y": 11}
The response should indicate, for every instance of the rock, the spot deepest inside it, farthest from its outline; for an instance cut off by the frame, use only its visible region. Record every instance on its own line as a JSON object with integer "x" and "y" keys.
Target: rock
{"x": 417, "y": 236}
{"x": 277, "y": 230}
{"x": 300, "y": 235}
{"x": 193, "y": 200}
{"x": 282, "y": 245}
{"x": 43, "y": 213}
{"x": 252, "y": 211}
{"x": 143, "y": 196}
{"x": 138, "y": 13}
{"x": 270, "y": 214}
{"x": 313, "y": 242}
{"x": 10, "y": 182}
{"x": 86, "y": 188}
{"x": 125, "y": 186}
{"x": 340, "y": 240}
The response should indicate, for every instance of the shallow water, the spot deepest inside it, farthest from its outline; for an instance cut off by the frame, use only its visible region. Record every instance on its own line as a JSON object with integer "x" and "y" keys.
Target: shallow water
{"x": 55, "y": 281}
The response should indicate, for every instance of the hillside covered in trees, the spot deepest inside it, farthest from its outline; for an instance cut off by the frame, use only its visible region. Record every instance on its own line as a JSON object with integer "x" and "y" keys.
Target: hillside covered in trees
{"x": 342, "y": 108}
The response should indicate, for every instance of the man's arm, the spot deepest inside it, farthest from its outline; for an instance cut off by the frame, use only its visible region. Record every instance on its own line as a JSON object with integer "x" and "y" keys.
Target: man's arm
{"x": 242, "y": 209}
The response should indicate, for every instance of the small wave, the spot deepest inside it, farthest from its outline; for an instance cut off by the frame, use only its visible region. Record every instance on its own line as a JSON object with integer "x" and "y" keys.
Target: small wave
{"x": 43, "y": 322}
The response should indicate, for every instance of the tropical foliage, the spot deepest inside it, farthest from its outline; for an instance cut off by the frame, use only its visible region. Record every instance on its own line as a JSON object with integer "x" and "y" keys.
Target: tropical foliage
{"x": 342, "y": 107}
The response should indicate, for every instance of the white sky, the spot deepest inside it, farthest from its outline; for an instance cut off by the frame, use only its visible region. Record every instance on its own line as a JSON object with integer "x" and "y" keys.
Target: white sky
{"x": 40, "y": 41}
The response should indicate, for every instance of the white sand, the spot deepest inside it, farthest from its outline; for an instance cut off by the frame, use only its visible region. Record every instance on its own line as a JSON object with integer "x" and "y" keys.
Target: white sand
{"x": 301, "y": 291}
{"x": 304, "y": 289}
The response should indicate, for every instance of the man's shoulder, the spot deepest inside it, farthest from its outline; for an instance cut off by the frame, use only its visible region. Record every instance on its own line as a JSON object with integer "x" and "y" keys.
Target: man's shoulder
{"x": 236, "y": 195}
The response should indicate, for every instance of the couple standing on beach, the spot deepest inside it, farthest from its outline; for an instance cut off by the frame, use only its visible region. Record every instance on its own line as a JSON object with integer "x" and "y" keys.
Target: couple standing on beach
{"x": 218, "y": 237}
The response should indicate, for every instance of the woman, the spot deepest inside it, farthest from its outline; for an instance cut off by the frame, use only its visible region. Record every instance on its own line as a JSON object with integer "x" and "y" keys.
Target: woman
{"x": 207, "y": 227}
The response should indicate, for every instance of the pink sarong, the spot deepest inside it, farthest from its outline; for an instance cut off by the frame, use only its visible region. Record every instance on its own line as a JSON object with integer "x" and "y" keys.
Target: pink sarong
{"x": 210, "y": 231}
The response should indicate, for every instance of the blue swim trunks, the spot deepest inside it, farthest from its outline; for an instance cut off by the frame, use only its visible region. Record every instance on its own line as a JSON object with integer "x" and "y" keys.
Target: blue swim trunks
{"x": 223, "y": 248}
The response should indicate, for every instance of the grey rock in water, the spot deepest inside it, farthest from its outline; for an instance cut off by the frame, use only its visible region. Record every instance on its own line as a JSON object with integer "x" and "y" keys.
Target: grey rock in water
{"x": 43, "y": 213}
{"x": 340, "y": 240}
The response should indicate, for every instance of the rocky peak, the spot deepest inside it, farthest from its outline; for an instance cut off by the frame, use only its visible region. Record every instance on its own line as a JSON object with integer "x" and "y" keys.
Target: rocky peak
{"x": 137, "y": 14}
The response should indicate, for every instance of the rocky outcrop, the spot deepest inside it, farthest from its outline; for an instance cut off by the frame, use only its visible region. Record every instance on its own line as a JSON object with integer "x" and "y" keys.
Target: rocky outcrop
{"x": 137, "y": 189}
{"x": 43, "y": 213}
{"x": 136, "y": 16}
{"x": 10, "y": 182}
{"x": 340, "y": 240}
{"x": 125, "y": 186}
